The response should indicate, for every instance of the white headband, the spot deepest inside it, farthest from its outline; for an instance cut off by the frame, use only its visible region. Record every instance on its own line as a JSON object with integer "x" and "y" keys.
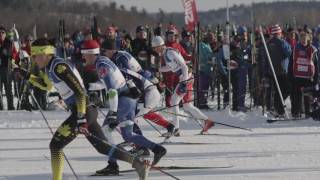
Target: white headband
{"x": 90, "y": 51}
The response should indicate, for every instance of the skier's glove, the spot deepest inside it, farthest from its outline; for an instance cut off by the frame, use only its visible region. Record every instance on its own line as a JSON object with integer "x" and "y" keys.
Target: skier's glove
{"x": 182, "y": 88}
{"x": 82, "y": 125}
{"x": 111, "y": 119}
{"x": 135, "y": 93}
{"x": 94, "y": 98}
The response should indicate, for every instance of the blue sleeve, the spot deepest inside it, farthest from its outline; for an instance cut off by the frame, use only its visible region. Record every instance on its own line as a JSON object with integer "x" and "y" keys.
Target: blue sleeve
{"x": 106, "y": 73}
{"x": 122, "y": 62}
{"x": 220, "y": 59}
{"x": 286, "y": 48}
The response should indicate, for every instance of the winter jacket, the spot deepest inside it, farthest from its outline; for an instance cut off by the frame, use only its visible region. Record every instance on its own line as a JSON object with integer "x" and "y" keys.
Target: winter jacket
{"x": 279, "y": 51}
{"x": 206, "y": 56}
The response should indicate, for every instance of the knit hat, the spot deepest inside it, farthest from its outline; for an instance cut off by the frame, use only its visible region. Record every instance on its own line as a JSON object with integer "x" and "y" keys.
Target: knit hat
{"x": 241, "y": 30}
{"x": 140, "y": 29}
{"x": 276, "y": 29}
{"x": 90, "y": 47}
{"x": 3, "y": 29}
{"x": 157, "y": 41}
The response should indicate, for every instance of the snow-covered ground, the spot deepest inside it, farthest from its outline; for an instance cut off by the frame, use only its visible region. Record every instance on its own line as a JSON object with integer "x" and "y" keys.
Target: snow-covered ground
{"x": 283, "y": 151}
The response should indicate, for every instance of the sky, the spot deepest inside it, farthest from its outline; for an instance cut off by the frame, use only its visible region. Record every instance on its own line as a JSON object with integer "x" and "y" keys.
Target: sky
{"x": 176, "y": 5}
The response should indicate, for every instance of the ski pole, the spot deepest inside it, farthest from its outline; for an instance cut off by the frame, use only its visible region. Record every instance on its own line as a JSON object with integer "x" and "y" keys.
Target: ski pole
{"x": 49, "y": 127}
{"x": 223, "y": 124}
{"x": 152, "y": 167}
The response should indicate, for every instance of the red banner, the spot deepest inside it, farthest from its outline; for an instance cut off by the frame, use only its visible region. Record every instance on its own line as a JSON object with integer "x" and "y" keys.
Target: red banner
{"x": 191, "y": 15}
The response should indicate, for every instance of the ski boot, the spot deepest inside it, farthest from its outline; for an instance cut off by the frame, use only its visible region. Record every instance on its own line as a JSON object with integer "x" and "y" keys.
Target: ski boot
{"x": 142, "y": 168}
{"x": 111, "y": 170}
{"x": 159, "y": 151}
{"x": 207, "y": 125}
{"x": 176, "y": 132}
{"x": 170, "y": 129}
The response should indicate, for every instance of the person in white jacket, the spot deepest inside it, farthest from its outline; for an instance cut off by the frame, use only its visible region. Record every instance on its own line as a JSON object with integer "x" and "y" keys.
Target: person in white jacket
{"x": 173, "y": 61}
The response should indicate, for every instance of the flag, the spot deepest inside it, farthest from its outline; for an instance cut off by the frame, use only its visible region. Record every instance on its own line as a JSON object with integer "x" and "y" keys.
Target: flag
{"x": 191, "y": 15}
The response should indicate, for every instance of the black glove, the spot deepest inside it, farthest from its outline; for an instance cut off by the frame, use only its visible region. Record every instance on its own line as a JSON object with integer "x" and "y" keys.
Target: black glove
{"x": 111, "y": 119}
{"x": 135, "y": 93}
{"x": 82, "y": 125}
{"x": 95, "y": 99}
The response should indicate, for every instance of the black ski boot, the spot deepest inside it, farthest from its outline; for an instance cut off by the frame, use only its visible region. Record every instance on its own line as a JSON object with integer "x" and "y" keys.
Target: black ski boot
{"x": 159, "y": 151}
{"x": 111, "y": 170}
{"x": 176, "y": 132}
{"x": 170, "y": 129}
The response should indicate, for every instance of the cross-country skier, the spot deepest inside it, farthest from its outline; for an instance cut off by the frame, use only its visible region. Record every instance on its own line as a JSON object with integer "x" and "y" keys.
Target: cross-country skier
{"x": 83, "y": 119}
{"x": 122, "y": 104}
{"x": 144, "y": 81}
{"x": 175, "y": 63}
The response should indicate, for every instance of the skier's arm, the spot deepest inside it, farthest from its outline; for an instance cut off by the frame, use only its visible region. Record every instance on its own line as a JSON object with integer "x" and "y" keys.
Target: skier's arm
{"x": 64, "y": 72}
{"x": 219, "y": 60}
{"x": 286, "y": 49}
{"x": 164, "y": 68}
{"x": 105, "y": 74}
{"x": 113, "y": 99}
{"x": 184, "y": 68}
{"x": 41, "y": 82}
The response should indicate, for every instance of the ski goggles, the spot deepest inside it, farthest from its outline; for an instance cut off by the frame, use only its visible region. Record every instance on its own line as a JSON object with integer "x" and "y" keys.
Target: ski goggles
{"x": 46, "y": 50}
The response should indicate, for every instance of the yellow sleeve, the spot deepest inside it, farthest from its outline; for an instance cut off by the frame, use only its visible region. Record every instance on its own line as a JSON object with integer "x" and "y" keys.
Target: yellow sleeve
{"x": 42, "y": 83}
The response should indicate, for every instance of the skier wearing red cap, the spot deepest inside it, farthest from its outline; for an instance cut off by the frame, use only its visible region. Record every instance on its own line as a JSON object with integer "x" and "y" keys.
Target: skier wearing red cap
{"x": 122, "y": 102}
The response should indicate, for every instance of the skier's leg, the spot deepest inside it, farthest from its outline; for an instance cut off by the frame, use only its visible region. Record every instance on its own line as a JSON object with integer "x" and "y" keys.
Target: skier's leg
{"x": 151, "y": 100}
{"x": 175, "y": 100}
{"x": 141, "y": 141}
{"x": 103, "y": 147}
{"x": 62, "y": 137}
{"x": 126, "y": 115}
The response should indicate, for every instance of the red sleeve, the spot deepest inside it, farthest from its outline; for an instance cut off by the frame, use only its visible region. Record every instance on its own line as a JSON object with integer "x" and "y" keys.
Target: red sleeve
{"x": 184, "y": 53}
{"x": 15, "y": 54}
